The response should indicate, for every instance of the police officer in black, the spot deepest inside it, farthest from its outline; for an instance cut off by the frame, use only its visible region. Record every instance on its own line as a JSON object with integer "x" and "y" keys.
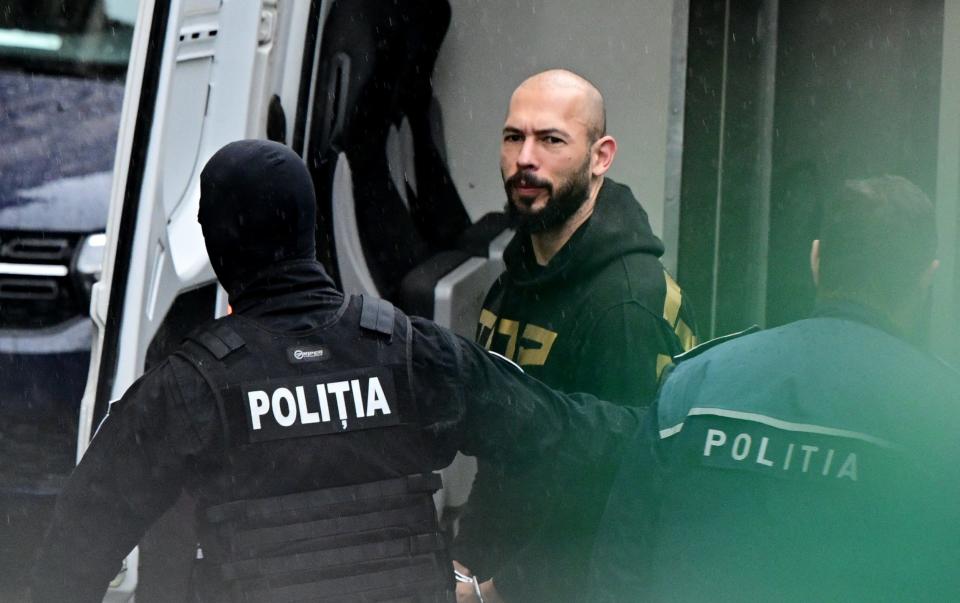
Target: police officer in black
{"x": 816, "y": 461}
{"x": 306, "y": 424}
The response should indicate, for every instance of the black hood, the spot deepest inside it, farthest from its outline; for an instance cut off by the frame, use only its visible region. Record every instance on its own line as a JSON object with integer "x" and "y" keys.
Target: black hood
{"x": 618, "y": 226}
{"x": 257, "y": 209}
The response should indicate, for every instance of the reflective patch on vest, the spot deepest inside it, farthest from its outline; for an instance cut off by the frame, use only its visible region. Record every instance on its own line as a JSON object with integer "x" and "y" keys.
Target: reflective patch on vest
{"x": 319, "y": 405}
{"x": 310, "y": 353}
{"x": 747, "y": 446}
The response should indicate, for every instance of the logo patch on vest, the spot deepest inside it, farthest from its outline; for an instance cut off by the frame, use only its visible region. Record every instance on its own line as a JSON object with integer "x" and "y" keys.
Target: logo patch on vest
{"x": 736, "y": 449}
{"x": 744, "y": 445}
{"x": 319, "y": 405}
{"x": 313, "y": 353}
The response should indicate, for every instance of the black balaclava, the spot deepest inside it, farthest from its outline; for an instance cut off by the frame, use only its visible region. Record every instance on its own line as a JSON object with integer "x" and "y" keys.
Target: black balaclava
{"x": 257, "y": 209}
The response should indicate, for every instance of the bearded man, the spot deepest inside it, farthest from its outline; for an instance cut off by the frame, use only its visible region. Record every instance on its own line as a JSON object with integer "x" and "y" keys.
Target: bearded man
{"x": 584, "y": 305}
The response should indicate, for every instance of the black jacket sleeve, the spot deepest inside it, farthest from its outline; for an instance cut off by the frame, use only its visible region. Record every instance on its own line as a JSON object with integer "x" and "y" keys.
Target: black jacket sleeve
{"x": 488, "y": 407}
{"x": 127, "y": 478}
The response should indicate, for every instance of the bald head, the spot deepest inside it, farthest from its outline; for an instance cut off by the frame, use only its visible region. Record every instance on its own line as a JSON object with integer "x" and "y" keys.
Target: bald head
{"x": 586, "y": 96}
{"x": 554, "y": 154}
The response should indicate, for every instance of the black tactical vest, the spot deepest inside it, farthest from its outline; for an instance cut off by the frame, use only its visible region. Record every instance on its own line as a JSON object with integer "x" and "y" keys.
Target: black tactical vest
{"x": 324, "y": 489}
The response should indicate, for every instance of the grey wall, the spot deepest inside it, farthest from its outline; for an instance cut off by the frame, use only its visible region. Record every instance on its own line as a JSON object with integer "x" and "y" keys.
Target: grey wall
{"x": 623, "y": 46}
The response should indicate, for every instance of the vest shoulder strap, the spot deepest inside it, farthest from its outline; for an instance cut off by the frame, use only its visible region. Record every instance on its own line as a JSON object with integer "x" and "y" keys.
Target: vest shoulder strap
{"x": 377, "y": 315}
{"x": 219, "y": 339}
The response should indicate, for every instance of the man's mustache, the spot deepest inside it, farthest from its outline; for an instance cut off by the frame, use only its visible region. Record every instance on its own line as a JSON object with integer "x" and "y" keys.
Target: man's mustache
{"x": 527, "y": 179}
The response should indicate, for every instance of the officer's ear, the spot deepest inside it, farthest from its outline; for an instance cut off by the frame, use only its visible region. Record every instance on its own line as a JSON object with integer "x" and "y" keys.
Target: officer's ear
{"x": 815, "y": 261}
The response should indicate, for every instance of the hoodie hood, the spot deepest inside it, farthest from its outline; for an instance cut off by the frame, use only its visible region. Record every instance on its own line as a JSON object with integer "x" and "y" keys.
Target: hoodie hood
{"x": 617, "y": 227}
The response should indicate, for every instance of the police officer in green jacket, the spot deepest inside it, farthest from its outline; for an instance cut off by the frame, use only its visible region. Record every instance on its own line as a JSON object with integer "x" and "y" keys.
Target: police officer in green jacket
{"x": 815, "y": 461}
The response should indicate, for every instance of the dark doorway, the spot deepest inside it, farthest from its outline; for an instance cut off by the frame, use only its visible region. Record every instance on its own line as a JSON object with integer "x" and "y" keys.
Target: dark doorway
{"x": 852, "y": 91}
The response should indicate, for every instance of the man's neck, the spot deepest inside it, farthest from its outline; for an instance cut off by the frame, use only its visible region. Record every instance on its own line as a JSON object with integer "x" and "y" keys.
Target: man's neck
{"x": 899, "y": 321}
{"x": 546, "y": 244}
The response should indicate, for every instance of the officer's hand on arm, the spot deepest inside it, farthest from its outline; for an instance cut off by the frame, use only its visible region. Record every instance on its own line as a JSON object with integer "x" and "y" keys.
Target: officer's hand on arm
{"x": 515, "y": 419}
{"x": 486, "y": 406}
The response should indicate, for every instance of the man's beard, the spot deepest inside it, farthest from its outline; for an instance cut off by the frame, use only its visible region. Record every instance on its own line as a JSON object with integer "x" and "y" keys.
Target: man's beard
{"x": 561, "y": 205}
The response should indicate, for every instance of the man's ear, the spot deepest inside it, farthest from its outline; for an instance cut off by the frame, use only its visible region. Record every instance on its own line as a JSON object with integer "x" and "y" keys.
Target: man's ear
{"x": 815, "y": 261}
{"x": 602, "y": 154}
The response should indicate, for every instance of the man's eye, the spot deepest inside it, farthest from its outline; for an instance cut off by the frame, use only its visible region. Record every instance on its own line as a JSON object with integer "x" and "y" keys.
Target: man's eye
{"x": 512, "y": 138}
{"x": 553, "y": 140}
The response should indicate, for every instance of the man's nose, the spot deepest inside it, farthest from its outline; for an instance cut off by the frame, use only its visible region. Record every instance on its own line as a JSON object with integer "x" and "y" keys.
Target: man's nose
{"x": 527, "y": 158}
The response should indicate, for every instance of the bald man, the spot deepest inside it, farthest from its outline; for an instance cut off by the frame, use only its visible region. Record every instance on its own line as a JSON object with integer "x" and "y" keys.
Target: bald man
{"x": 584, "y": 305}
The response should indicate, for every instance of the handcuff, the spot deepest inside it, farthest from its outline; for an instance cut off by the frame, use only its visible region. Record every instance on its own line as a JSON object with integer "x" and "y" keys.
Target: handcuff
{"x": 469, "y": 580}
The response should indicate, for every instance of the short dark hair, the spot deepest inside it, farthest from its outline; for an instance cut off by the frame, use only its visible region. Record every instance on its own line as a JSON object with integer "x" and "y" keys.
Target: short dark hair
{"x": 877, "y": 238}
